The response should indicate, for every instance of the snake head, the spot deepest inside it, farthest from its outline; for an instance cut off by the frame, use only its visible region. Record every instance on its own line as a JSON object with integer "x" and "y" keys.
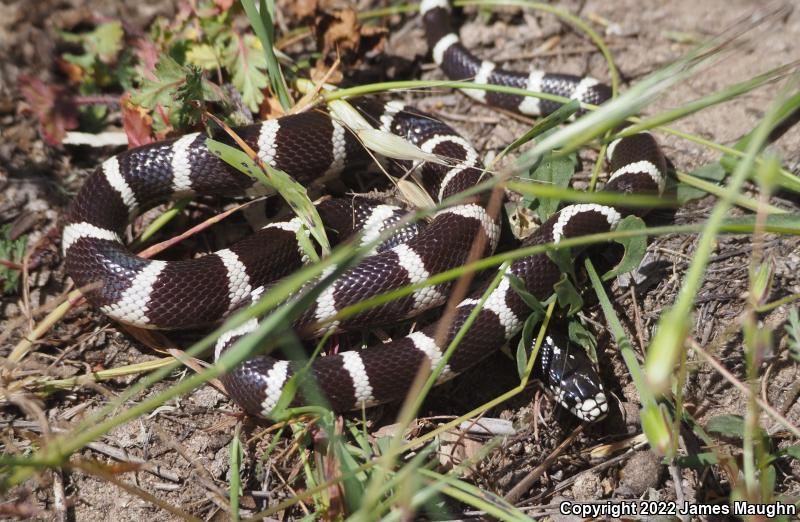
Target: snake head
{"x": 570, "y": 376}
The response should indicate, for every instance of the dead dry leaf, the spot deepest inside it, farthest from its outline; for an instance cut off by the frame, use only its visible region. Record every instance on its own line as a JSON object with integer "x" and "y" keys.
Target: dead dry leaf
{"x": 137, "y": 122}
{"x": 339, "y": 33}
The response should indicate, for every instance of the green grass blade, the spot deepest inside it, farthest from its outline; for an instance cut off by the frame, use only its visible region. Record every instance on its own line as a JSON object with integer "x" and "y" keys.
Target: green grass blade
{"x": 236, "y": 480}
{"x": 541, "y": 190}
{"x": 786, "y": 109}
{"x": 495, "y": 506}
{"x": 295, "y": 194}
{"x": 716, "y": 190}
{"x": 721, "y": 96}
{"x": 263, "y": 26}
{"x": 160, "y": 222}
{"x": 551, "y": 121}
{"x": 655, "y": 422}
{"x": 93, "y": 427}
{"x": 668, "y": 342}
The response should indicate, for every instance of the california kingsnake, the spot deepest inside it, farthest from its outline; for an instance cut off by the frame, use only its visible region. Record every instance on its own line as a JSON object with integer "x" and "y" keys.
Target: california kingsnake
{"x": 201, "y": 291}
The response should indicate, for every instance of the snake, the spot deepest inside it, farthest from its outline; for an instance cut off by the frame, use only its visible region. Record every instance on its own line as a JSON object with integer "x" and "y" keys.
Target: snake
{"x": 202, "y": 291}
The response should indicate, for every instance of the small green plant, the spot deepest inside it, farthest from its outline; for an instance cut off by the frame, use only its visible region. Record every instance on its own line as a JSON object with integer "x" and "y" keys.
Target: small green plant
{"x": 12, "y": 252}
{"x": 172, "y": 73}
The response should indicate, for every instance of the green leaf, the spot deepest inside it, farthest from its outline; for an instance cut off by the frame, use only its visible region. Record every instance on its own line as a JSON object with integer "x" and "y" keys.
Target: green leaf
{"x": 204, "y": 56}
{"x": 556, "y": 171}
{"x": 190, "y": 98}
{"x": 657, "y": 426}
{"x": 384, "y": 444}
{"x": 568, "y": 297}
{"x": 712, "y": 172}
{"x": 162, "y": 90}
{"x": 526, "y": 343}
{"x": 245, "y": 58}
{"x": 566, "y": 293}
{"x": 727, "y": 425}
{"x": 551, "y": 121}
{"x": 12, "y": 250}
{"x": 537, "y": 190}
{"x": 85, "y": 61}
{"x": 563, "y": 260}
{"x": 761, "y": 282}
{"x": 699, "y": 460}
{"x": 238, "y": 159}
{"x": 296, "y": 196}
{"x": 784, "y": 112}
{"x": 635, "y": 247}
{"x": 582, "y": 337}
{"x": 538, "y": 312}
{"x": 791, "y": 451}
{"x": 104, "y": 42}
{"x": 306, "y": 244}
{"x": 178, "y": 90}
{"x": 767, "y": 479}
{"x": 519, "y": 287}
{"x": 287, "y": 394}
{"x": 776, "y": 224}
{"x": 353, "y": 487}
{"x": 235, "y": 457}
{"x": 360, "y": 438}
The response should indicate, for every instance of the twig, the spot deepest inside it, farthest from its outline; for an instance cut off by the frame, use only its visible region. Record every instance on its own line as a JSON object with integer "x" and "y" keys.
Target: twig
{"x": 107, "y": 450}
{"x": 637, "y": 316}
{"x": 160, "y": 247}
{"x": 772, "y": 412}
{"x": 59, "y": 497}
{"x": 110, "y": 100}
{"x": 525, "y": 484}
{"x": 679, "y": 497}
{"x": 123, "y": 456}
{"x": 216, "y": 494}
{"x": 564, "y": 484}
{"x": 22, "y": 348}
{"x": 75, "y": 297}
{"x": 99, "y": 471}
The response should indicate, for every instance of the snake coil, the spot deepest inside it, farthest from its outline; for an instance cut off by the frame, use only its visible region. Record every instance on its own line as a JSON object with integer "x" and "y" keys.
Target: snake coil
{"x": 197, "y": 292}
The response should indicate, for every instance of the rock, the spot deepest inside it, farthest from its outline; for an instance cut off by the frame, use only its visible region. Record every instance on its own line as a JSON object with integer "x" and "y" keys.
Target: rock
{"x": 641, "y": 472}
{"x": 588, "y": 486}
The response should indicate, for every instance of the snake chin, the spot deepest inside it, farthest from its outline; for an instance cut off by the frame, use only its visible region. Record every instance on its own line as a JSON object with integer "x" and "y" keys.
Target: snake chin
{"x": 591, "y": 410}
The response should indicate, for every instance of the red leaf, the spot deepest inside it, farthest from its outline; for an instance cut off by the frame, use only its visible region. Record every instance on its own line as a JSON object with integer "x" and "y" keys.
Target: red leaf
{"x": 223, "y": 5}
{"x": 52, "y": 105}
{"x": 148, "y": 54}
{"x": 137, "y": 123}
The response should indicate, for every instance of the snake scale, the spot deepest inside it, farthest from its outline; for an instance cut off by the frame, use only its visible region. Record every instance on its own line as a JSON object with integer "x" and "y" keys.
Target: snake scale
{"x": 201, "y": 291}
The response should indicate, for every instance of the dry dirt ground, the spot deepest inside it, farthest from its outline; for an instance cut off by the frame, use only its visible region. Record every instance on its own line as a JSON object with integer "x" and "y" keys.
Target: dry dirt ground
{"x": 187, "y": 439}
